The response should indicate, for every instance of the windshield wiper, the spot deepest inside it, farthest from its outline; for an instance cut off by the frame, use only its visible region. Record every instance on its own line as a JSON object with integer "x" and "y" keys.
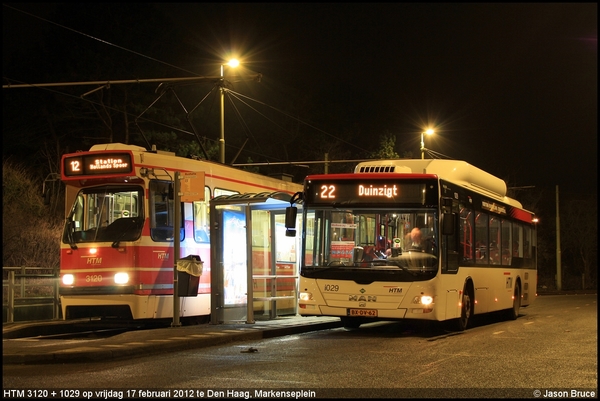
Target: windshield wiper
{"x": 135, "y": 225}
{"x": 70, "y": 230}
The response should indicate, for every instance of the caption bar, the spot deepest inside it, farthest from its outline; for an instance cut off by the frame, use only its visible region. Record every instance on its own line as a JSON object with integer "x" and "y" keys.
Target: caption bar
{"x": 162, "y": 394}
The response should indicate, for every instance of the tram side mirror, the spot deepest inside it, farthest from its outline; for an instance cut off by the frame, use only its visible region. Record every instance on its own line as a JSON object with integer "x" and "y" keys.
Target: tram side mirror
{"x": 290, "y": 221}
{"x": 448, "y": 221}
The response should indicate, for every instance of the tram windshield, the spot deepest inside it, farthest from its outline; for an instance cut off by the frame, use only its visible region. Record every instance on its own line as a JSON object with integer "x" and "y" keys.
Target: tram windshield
{"x": 105, "y": 214}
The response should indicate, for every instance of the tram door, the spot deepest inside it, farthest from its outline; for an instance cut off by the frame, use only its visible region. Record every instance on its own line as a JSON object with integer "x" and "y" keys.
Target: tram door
{"x": 254, "y": 268}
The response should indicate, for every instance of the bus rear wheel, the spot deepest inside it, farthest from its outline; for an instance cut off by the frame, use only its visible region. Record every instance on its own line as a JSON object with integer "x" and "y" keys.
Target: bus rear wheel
{"x": 466, "y": 310}
{"x": 513, "y": 313}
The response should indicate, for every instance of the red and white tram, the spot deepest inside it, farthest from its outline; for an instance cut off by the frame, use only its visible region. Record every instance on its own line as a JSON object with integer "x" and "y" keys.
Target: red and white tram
{"x": 117, "y": 248}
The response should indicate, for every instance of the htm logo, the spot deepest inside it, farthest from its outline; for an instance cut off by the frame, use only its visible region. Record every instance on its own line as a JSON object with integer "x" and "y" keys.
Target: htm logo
{"x": 94, "y": 261}
{"x": 395, "y": 290}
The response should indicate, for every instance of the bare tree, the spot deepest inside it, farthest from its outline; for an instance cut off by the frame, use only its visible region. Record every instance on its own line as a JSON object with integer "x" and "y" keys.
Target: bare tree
{"x": 30, "y": 232}
{"x": 579, "y": 238}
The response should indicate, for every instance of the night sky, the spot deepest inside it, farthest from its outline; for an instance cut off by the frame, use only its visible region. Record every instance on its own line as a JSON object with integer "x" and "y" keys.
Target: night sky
{"x": 510, "y": 88}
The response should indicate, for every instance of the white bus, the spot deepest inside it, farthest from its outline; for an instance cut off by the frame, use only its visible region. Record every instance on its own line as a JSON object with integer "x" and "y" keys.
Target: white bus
{"x": 476, "y": 252}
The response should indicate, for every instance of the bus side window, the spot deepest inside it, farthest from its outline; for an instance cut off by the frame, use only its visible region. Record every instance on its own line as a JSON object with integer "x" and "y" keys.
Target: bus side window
{"x": 466, "y": 234}
{"x": 506, "y": 254}
{"x": 481, "y": 236}
{"x": 494, "y": 253}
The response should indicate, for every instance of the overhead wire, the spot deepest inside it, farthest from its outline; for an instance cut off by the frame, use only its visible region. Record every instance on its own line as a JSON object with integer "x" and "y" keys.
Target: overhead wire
{"x": 437, "y": 155}
{"x": 237, "y": 95}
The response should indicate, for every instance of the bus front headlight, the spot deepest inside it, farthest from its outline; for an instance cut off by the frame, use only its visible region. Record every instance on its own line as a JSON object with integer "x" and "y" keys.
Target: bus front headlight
{"x": 423, "y": 300}
{"x": 305, "y": 296}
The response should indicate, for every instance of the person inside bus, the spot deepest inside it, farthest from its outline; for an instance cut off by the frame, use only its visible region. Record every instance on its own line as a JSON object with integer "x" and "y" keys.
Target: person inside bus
{"x": 388, "y": 249}
{"x": 416, "y": 240}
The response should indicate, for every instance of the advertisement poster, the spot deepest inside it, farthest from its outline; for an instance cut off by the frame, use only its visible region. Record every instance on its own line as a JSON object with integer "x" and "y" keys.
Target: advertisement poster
{"x": 234, "y": 257}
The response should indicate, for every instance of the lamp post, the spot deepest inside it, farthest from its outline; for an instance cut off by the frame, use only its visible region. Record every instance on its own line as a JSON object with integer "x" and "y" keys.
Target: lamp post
{"x": 428, "y": 132}
{"x": 232, "y": 63}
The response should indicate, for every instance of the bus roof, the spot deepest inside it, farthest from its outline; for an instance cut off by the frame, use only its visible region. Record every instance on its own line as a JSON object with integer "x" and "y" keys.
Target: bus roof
{"x": 455, "y": 171}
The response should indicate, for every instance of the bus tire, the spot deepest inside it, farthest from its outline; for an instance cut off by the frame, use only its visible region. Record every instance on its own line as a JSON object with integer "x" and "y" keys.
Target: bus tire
{"x": 513, "y": 313}
{"x": 466, "y": 310}
{"x": 351, "y": 322}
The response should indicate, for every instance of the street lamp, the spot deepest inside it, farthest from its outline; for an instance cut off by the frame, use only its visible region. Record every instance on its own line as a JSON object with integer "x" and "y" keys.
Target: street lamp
{"x": 232, "y": 63}
{"x": 428, "y": 132}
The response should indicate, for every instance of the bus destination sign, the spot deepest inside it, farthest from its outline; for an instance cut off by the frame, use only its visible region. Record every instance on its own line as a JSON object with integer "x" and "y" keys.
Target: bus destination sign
{"x": 94, "y": 165}
{"x": 365, "y": 191}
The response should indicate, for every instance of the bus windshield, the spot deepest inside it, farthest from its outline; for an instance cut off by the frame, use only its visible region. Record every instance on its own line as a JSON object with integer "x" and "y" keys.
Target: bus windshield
{"x": 389, "y": 243}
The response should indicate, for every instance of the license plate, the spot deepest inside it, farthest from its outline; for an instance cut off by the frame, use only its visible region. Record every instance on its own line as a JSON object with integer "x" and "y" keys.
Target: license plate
{"x": 362, "y": 312}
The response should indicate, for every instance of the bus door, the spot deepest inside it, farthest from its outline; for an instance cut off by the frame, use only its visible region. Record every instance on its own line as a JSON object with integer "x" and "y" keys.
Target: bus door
{"x": 449, "y": 225}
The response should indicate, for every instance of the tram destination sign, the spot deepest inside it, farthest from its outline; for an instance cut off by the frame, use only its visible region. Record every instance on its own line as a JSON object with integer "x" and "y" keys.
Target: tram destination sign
{"x": 98, "y": 164}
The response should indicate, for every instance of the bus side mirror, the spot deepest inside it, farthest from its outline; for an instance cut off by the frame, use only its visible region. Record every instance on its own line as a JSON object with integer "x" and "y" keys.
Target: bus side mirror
{"x": 448, "y": 221}
{"x": 290, "y": 221}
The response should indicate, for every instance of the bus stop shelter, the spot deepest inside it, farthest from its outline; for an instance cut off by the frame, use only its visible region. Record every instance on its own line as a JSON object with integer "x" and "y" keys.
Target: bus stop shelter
{"x": 254, "y": 265}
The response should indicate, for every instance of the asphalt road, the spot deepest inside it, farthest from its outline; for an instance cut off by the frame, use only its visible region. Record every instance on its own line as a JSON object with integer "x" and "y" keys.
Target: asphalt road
{"x": 550, "y": 348}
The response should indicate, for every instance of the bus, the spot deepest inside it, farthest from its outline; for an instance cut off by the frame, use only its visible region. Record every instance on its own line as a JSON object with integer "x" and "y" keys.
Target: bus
{"x": 359, "y": 257}
{"x": 117, "y": 247}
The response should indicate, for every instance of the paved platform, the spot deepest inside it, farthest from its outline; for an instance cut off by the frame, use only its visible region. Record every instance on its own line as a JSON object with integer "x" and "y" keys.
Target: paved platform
{"x": 32, "y": 350}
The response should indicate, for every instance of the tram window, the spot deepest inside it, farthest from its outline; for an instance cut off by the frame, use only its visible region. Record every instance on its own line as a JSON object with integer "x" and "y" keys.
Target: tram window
{"x": 162, "y": 216}
{"x": 221, "y": 191}
{"x": 105, "y": 214}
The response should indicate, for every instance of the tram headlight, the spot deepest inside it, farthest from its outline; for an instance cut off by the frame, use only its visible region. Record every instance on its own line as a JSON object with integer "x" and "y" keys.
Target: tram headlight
{"x": 121, "y": 278}
{"x": 68, "y": 279}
